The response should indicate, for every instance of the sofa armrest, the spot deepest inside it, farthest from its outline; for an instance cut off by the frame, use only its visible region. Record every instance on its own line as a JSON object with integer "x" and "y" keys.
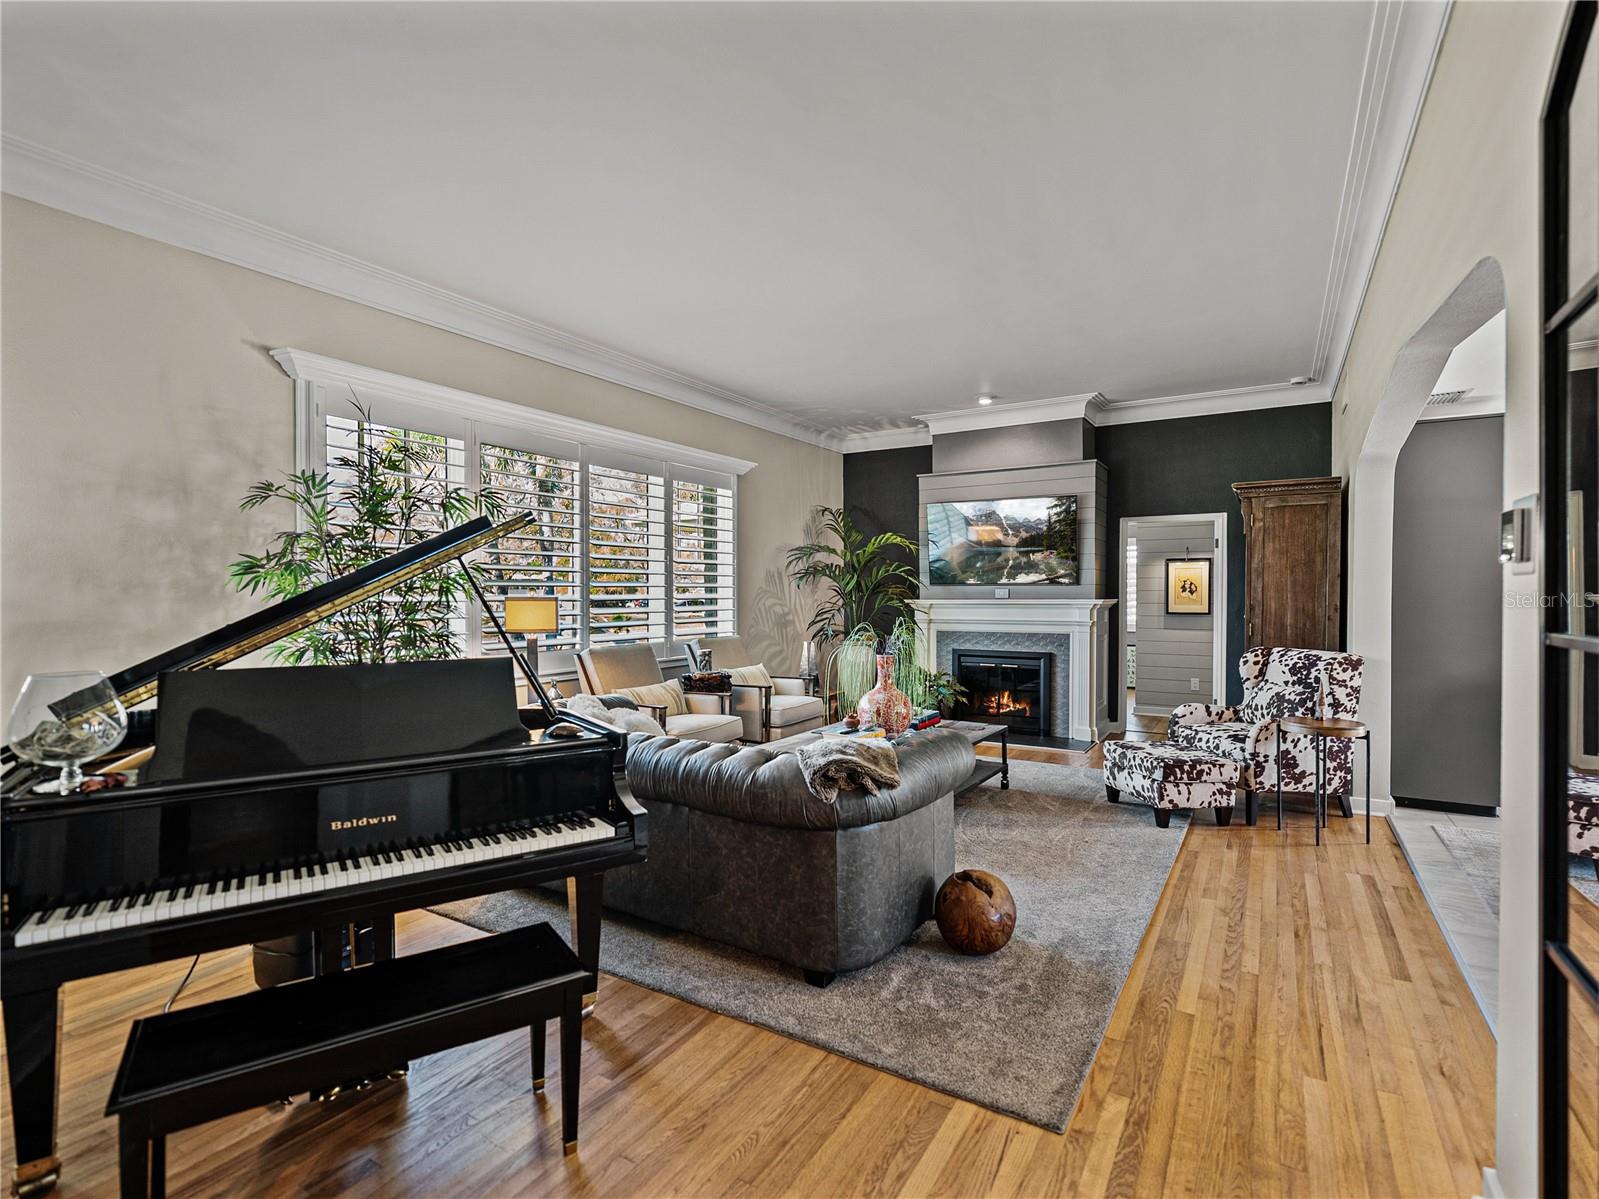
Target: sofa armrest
{"x": 707, "y": 703}
{"x": 1203, "y": 714}
{"x": 657, "y": 712}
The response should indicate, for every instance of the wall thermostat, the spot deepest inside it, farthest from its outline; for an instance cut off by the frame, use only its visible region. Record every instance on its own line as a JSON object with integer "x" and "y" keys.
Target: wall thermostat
{"x": 1516, "y": 536}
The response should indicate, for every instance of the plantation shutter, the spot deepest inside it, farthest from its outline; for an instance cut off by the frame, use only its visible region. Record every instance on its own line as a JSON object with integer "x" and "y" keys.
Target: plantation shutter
{"x": 703, "y": 574}
{"x": 627, "y": 550}
{"x": 546, "y": 558}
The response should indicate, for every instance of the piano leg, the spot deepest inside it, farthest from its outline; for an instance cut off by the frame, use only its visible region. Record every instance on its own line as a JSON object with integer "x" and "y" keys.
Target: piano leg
{"x": 383, "y": 950}
{"x": 583, "y": 903}
{"x": 33, "y": 1050}
{"x": 383, "y": 939}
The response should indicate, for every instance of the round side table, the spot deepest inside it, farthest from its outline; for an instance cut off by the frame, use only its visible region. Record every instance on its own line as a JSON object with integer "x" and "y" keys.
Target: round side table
{"x": 1321, "y": 729}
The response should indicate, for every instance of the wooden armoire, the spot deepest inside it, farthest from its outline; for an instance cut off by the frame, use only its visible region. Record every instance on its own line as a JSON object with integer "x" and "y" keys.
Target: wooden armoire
{"x": 1293, "y": 543}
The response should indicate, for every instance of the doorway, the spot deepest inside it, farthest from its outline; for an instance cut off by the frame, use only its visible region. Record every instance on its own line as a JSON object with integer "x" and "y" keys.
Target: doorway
{"x": 1171, "y": 656}
{"x": 1568, "y": 563}
{"x": 1447, "y": 602}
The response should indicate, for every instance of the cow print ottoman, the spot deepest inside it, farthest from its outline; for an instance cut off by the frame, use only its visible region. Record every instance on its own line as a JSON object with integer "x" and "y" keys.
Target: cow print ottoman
{"x": 1167, "y": 776}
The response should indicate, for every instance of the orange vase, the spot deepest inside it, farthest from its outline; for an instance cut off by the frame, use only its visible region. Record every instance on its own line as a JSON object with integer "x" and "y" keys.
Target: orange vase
{"x": 885, "y": 705}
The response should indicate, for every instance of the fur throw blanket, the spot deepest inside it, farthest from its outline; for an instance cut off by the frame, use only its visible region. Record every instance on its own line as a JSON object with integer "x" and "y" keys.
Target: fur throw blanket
{"x": 834, "y": 764}
{"x": 629, "y": 720}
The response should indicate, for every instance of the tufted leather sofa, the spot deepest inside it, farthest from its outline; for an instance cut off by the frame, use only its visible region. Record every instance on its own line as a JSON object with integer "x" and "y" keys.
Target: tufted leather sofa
{"x": 742, "y": 853}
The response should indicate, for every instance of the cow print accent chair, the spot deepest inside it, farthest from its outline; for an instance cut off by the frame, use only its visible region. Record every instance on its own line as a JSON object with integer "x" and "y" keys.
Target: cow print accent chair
{"x": 1582, "y": 830}
{"x": 1280, "y": 682}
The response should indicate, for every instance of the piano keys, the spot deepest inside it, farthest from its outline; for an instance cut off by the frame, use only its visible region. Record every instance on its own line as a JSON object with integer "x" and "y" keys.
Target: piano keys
{"x": 295, "y": 802}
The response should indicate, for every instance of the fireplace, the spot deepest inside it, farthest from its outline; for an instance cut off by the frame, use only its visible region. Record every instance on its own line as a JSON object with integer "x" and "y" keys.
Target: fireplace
{"x": 1010, "y": 688}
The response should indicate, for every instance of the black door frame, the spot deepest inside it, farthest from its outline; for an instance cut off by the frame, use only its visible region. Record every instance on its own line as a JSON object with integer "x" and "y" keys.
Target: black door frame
{"x": 1561, "y": 971}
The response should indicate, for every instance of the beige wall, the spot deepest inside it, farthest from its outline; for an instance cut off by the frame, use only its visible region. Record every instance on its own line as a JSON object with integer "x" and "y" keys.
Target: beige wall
{"x": 139, "y": 403}
{"x": 1470, "y": 192}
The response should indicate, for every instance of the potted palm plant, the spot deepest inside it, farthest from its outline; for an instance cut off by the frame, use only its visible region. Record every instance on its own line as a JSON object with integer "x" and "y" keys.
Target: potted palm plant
{"x": 863, "y": 587}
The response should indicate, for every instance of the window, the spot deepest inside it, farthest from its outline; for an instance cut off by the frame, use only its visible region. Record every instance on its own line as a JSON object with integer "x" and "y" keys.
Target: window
{"x": 545, "y": 559}
{"x": 635, "y": 537}
{"x": 1132, "y": 585}
{"x": 702, "y": 559}
{"x": 627, "y": 556}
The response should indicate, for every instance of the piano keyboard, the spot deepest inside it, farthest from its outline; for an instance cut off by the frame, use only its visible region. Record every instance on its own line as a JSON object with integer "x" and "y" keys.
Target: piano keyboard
{"x": 200, "y": 897}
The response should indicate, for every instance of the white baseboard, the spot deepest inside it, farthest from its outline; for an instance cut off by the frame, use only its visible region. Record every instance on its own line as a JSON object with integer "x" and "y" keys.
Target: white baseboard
{"x": 1382, "y": 805}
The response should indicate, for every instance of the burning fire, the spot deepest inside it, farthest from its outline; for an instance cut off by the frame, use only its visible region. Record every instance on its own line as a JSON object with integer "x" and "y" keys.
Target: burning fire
{"x": 1003, "y": 703}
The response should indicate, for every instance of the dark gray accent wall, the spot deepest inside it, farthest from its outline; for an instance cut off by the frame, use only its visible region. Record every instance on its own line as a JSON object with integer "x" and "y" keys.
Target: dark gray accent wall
{"x": 1041, "y": 444}
{"x": 1447, "y": 610}
{"x": 1155, "y": 468}
{"x": 1169, "y": 467}
{"x": 880, "y": 490}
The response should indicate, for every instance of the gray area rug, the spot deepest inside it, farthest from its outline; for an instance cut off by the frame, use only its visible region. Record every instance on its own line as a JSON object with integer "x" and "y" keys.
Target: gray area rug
{"x": 1016, "y": 1031}
{"x": 1477, "y": 851}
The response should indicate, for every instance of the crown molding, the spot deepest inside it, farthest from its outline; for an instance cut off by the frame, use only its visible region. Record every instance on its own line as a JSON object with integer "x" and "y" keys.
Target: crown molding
{"x": 1209, "y": 403}
{"x": 1583, "y": 355}
{"x": 884, "y": 439}
{"x": 1401, "y": 51}
{"x": 305, "y": 367}
{"x": 1093, "y": 407}
{"x": 58, "y": 180}
{"x": 1022, "y": 412}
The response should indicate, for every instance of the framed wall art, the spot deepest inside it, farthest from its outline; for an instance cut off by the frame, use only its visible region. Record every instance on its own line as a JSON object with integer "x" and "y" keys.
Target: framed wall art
{"x": 1188, "y": 586}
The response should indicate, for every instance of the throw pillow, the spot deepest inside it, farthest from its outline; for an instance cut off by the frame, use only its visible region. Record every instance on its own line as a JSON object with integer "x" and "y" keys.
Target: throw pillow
{"x": 752, "y": 675}
{"x": 1273, "y": 701}
{"x": 661, "y": 695}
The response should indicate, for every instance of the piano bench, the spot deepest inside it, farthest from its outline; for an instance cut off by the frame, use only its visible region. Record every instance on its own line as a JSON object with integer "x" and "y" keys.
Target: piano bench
{"x": 186, "y": 1067}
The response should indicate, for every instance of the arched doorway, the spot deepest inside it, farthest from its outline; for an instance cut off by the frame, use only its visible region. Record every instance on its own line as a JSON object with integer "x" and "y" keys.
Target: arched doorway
{"x": 1474, "y": 301}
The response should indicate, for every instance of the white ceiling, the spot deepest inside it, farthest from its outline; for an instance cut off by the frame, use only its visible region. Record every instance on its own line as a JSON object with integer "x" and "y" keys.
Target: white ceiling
{"x": 846, "y": 214}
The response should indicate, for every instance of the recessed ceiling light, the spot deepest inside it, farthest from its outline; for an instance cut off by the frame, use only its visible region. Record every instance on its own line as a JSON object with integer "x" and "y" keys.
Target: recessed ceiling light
{"x": 985, "y": 400}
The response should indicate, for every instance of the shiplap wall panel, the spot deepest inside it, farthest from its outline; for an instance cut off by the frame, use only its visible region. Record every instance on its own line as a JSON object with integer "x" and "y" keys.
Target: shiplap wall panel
{"x": 1172, "y": 650}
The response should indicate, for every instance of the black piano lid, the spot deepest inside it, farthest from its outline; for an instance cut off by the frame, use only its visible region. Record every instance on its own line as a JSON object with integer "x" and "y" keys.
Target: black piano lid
{"x": 270, "y": 624}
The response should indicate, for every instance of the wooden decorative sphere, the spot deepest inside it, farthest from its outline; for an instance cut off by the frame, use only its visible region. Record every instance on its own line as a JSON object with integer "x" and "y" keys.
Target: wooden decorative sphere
{"x": 975, "y": 912}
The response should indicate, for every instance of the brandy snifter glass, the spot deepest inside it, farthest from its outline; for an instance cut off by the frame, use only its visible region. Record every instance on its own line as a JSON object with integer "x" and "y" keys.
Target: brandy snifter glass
{"x": 65, "y": 720}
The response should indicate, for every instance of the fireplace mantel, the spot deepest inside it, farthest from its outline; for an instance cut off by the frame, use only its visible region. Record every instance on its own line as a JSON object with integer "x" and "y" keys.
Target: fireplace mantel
{"x": 1085, "y": 621}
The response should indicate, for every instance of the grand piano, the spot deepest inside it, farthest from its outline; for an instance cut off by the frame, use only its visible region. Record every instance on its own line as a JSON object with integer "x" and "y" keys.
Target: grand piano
{"x": 300, "y": 806}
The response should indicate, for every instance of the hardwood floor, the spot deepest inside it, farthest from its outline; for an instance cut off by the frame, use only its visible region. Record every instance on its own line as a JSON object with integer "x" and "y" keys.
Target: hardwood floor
{"x": 1293, "y": 1025}
{"x": 1583, "y": 1032}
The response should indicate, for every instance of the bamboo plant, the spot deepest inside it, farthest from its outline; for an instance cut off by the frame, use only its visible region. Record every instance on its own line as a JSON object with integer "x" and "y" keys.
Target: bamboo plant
{"x": 391, "y": 491}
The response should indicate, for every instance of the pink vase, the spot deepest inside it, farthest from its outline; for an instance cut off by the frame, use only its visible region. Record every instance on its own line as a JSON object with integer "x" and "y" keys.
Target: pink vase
{"x": 885, "y": 705}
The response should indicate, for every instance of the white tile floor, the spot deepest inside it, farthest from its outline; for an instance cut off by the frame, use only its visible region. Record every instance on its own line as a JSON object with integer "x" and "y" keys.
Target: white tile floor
{"x": 1469, "y": 924}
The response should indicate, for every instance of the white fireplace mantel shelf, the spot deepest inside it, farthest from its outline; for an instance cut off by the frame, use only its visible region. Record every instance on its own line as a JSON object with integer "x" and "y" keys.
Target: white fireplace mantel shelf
{"x": 1085, "y": 621}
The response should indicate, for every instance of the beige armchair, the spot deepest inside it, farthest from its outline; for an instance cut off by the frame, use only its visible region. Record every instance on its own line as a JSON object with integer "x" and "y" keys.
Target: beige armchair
{"x": 633, "y": 671}
{"x": 781, "y": 708}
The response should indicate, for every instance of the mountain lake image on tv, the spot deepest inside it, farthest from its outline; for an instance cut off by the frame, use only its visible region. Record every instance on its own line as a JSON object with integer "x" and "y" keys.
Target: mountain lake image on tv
{"x": 989, "y": 542}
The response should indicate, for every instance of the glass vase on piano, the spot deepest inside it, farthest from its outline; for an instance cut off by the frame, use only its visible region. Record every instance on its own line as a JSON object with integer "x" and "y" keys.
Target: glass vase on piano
{"x": 65, "y": 720}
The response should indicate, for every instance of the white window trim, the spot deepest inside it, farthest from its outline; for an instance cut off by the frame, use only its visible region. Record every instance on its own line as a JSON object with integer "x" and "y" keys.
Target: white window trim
{"x": 307, "y": 368}
{"x": 323, "y": 385}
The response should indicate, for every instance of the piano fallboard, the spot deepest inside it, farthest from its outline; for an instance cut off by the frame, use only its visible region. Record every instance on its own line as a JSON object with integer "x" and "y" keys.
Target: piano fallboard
{"x": 368, "y": 839}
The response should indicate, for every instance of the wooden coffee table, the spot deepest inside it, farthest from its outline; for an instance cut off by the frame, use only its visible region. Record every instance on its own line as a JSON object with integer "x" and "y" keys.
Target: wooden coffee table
{"x": 985, "y": 769}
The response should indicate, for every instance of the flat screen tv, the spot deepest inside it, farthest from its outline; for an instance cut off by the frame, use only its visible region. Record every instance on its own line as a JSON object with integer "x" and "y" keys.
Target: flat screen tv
{"x": 1003, "y": 542}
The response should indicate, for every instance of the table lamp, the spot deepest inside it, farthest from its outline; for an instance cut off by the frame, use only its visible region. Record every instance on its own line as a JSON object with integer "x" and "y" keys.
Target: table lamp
{"x": 532, "y": 615}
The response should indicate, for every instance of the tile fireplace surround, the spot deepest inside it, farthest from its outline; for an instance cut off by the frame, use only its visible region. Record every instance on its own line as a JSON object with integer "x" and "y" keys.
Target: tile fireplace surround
{"x": 1076, "y": 631}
